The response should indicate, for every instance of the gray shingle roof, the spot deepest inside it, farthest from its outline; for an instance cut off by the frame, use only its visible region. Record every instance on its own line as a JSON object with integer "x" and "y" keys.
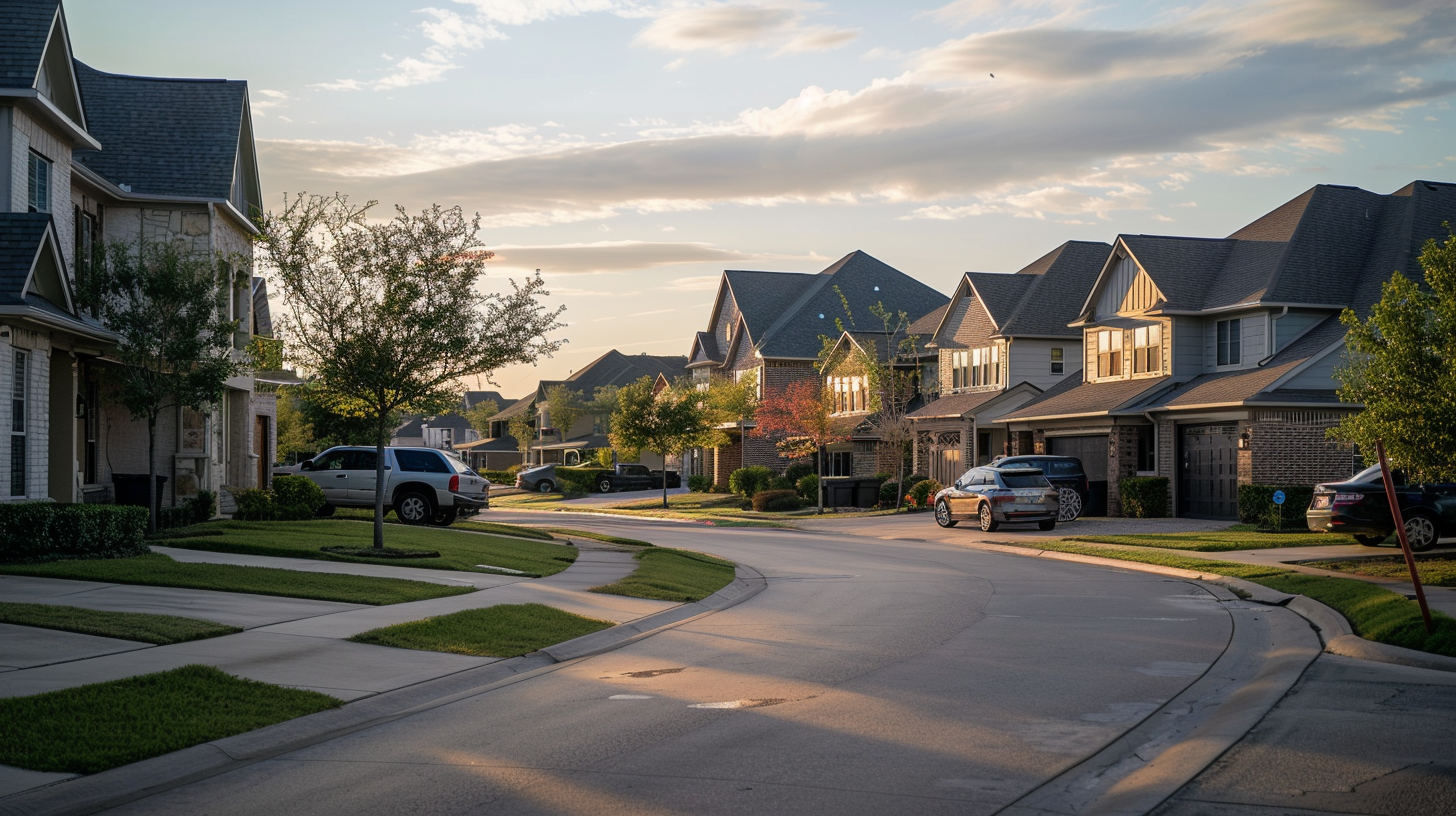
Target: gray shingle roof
{"x": 473, "y": 398}
{"x": 925, "y": 327}
{"x": 762, "y": 297}
{"x": 25, "y": 25}
{"x": 20, "y": 240}
{"x": 171, "y": 137}
{"x": 1181, "y": 267}
{"x": 706, "y": 348}
{"x": 1072, "y": 397}
{"x": 955, "y": 406}
{"x": 616, "y": 368}
{"x": 1060, "y": 282}
{"x": 520, "y": 406}
{"x": 1000, "y": 294}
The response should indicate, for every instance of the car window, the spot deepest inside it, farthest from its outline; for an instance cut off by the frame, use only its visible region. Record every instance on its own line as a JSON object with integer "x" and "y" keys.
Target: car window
{"x": 413, "y": 461}
{"x": 1062, "y": 467}
{"x": 331, "y": 460}
{"x": 966, "y": 477}
{"x": 636, "y": 470}
{"x": 1371, "y": 475}
{"x": 359, "y": 460}
{"x": 1024, "y": 479}
{"x": 459, "y": 466}
{"x": 982, "y": 478}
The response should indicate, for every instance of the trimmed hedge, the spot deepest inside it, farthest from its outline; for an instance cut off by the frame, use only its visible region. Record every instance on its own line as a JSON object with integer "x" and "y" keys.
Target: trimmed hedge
{"x": 33, "y": 532}
{"x": 1144, "y": 496}
{"x": 889, "y": 494}
{"x": 923, "y": 491}
{"x": 498, "y": 477}
{"x": 1256, "y": 505}
{"x": 798, "y": 471}
{"x": 254, "y": 504}
{"x": 296, "y": 498}
{"x": 577, "y": 480}
{"x": 700, "y": 484}
{"x": 749, "y": 480}
{"x": 808, "y": 487}
{"x": 776, "y": 501}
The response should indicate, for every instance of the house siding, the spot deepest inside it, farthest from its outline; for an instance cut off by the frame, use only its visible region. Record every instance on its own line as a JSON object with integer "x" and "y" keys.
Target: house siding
{"x": 26, "y": 135}
{"x": 1292, "y": 325}
{"x": 1031, "y": 361}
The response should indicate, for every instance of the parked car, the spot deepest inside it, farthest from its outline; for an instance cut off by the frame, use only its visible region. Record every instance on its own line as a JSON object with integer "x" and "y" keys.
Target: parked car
{"x": 422, "y": 485}
{"x": 540, "y": 479}
{"x": 1359, "y": 508}
{"x": 634, "y": 477}
{"x": 999, "y": 495}
{"x": 1064, "y": 472}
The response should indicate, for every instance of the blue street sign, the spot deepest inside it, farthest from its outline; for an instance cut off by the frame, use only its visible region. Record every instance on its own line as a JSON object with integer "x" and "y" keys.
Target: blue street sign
{"x": 1279, "y": 497}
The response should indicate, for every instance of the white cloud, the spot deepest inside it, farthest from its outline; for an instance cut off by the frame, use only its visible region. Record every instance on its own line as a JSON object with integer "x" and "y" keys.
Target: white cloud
{"x": 611, "y": 256}
{"x": 694, "y": 283}
{"x": 524, "y": 12}
{"x": 734, "y": 26}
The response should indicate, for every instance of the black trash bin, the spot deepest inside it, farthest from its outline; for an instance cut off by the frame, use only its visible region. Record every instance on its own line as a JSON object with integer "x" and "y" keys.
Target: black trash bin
{"x": 131, "y": 488}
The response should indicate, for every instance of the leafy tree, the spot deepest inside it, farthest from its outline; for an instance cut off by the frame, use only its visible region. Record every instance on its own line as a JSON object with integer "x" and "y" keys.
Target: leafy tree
{"x": 564, "y": 408}
{"x": 295, "y": 432}
{"x": 733, "y": 401}
{"x": 175, "y": 346}
{"x": 479, "y": 414}
{"x": 331, "y": 428}
{"x": 669, "y": 420}
{"x": 1401, "y": 365}
{"x": 520, "y": 430}
{"x": 389, "y": 316}
{"x": 800, "y": 418}
{"x": 603, "y": 404}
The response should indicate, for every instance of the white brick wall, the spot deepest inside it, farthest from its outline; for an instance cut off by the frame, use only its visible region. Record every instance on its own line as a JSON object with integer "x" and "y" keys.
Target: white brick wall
{"x": 30, "y": 135}
{"x": 37, "y": 411}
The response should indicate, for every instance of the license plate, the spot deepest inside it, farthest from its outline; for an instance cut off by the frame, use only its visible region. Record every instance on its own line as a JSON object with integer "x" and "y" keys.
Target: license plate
{"x": 1033, "y": 494}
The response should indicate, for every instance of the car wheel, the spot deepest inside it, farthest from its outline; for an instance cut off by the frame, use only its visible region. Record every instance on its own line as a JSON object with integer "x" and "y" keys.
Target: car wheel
{"x": 988, "y": 524}
{"x": 445, "y": 516}
{"x": 1420, "y": 531}
{"x": 545, "y": 486}
{"x": 414, "y": 508}
{"x": 604, "y": 485}
{"x": 1046, "y": 526}
{"x": 327, "y": 511}
{"x": 1370, "y": 540}
{"x": 1070, "y": 505}
{"x": 942, "y": 515}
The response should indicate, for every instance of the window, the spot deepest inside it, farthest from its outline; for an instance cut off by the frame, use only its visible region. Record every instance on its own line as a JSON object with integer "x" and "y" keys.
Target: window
{"x": 421, "y": 462}
{"x": 1147, "y": 349}
{"x": 1230, "y": 345}
{"x": 839, "y": 463}
{"x": 1057, "y": 361}
{"x": 960, "y": 370}
{"x": 1147, "y": 461}
{"x": 1109, "y": 353}
{"x": 38, "y": 195}
{"x": 17, "y": 423}
{"x": 92, "y": 423}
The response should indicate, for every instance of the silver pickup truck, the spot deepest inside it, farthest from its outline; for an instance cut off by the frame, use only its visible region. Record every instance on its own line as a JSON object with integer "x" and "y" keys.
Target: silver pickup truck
{"x": 422, "y": 485}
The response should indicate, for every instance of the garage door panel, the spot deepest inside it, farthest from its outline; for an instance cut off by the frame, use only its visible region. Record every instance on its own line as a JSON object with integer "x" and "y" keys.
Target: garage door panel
{"x": 1210, "y": 483}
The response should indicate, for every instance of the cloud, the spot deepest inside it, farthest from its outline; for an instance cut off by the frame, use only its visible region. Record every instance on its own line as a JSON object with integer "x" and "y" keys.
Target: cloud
{"x": 611, "y": 256}
{"x": 694, "y": 283}
{"x": 731, "y": 27}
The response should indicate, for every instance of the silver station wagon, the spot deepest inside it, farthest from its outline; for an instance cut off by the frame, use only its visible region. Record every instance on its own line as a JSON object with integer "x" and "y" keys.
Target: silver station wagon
{"x": 995, "y": 496}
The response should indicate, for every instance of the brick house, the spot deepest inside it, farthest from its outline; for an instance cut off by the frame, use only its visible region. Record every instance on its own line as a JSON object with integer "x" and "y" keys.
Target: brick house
{"x": 769, "y": 327}
{"x": 92, "y": 156}
{"x": 1211, "y": 361}
{"x": 856, "y": 396}
{"x": 1002, "y": 340}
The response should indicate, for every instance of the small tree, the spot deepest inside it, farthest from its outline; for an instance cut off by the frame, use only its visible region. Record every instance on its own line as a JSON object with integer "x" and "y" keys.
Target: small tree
{"x": 520, "y": 430}
{"x": 800, "y": 416}
{"x": 733, "y": 401}
{"x": 670, "y": 420}
{"x": 390, "y": 316}
{"x": 1401, "y": 365}
{"x": 295, "y": 432}
{"x": 479, "y": 414}
{"x": 175, "y": 345}
{"x": 565, "y": 407}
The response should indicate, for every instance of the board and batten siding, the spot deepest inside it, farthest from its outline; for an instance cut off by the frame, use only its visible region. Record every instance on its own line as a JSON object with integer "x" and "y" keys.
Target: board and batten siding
{"x": 1129, "y": 290}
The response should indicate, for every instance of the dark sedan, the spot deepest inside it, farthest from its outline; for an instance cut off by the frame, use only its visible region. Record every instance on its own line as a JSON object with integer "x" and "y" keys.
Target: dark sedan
{"x": 1359, "y": 508}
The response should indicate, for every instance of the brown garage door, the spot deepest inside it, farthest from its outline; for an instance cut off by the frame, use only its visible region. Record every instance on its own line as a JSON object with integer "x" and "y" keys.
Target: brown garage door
{"x": 1210, "y": 484}
{"x": 1092, "y": 450}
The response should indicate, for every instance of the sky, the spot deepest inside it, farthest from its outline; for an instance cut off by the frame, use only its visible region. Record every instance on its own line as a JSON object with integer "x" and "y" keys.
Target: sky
{"x": 633, "y": 150}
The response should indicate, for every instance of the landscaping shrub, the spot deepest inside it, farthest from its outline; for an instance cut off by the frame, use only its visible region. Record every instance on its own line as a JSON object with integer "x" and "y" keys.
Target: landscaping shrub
{"x": 748, "y": 481}
{"x": 923, "y": 492}
{"x": 781, "y": 483}
{"x": 913, "y": 478}
{"x": 717, "y": 488}
{"x": 1256, "y": 505}
{"x": 700, "y": 484}
{"x": 1144, "y": 496}
{"x": 889, "y": 494}
{"x": 46, "y": 531}
{"x": 296, "y": 498}
{"x": 506, "y": 477}
{"x": 514, "y": 469}
{"x": 776, "y": 501}
{"x": 204, "y": 506}
{"x": 576, "y": 480}
{"x": 808, "y": 487}
{"x": 195, "y": 510}
{"x": 254, "y": 504}
{"x": 798, "y": 471}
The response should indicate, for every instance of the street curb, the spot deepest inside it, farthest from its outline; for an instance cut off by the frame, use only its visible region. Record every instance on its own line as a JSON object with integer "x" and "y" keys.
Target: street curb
{"x": 128, "y": 783}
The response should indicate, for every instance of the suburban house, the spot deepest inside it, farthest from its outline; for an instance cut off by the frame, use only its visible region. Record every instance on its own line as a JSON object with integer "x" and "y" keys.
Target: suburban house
{"x": 92, "y": 156}
{"x": 444, "y": 431}
{"x": 1002, "y": 340}
{"x": 770, "y": 327}
{"x": 1211, "y": 361}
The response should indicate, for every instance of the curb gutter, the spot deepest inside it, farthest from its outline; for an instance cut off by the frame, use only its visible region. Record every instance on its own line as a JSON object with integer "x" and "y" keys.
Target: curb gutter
{"x": 128, "y": 783}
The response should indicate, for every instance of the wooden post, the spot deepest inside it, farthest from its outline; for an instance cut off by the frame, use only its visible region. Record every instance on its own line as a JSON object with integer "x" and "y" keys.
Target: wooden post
{"x": 1410, "y": 557}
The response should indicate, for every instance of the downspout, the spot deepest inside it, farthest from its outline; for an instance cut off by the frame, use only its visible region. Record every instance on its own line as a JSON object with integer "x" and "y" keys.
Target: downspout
{"x": 1274, "y": 331}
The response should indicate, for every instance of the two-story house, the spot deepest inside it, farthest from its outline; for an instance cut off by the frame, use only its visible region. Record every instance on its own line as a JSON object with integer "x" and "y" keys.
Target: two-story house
{"x": 767, "y": 327}
{"x": 87, "y": 156}
{"x": 1211, "y": 361}
{"x": 589, "y": 431}
{"x": 1002, "y": 341}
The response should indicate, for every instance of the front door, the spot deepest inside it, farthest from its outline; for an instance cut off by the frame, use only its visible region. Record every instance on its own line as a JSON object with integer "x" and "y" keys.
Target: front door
{"x": 1210, "y": 484}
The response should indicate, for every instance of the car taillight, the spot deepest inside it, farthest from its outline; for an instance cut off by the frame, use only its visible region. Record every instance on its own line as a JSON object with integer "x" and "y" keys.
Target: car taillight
{"x": 1349, "y": 498}
{"x": 1002, "y": 498}
{"x": 455, "y": 483}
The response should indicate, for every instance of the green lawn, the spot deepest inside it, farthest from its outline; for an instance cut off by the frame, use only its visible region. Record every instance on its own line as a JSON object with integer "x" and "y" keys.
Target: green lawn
{"x": 672, "y": 575}
{"x": 158, "y": 570}
{"x": 92, "y": 728}
{"x": 496, "y": 631}
{"x": 713, "y": 508}
{"x": 1435, "y": 570}
{"x": 357, "y": 514}
{"x": 1374, "y": 613}
{"x": 158, "y": 629}
{"x": 610, "y": 539}
{"x": 303, "y": 539}
{"x": 1219, "y": 540}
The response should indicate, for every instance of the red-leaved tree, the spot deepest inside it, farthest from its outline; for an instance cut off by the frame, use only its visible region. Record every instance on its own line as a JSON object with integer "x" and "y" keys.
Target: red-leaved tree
{"x": 800, "y": 422}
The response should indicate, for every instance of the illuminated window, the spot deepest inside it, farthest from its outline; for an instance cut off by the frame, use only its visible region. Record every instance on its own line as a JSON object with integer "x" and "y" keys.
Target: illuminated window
{"x": 1147, "y": 349}
{"x": 1109, "y": 353}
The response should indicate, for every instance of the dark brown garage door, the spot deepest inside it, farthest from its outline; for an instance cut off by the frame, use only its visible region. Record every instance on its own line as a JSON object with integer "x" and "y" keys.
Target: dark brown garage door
{"x": 1210, "y": 484}
{"x": 1092, "y": 450}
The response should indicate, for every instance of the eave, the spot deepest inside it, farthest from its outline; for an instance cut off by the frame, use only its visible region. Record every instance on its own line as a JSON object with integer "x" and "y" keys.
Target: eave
{"x": 53, "y": 114}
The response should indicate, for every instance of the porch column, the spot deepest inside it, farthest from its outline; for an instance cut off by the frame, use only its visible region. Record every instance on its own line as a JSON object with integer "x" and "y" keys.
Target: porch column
{"x": 61, "y": 447}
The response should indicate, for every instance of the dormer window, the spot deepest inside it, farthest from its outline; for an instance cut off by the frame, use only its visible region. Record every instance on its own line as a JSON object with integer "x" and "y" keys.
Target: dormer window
{"x": 1147, "y": 349}
{"x": 1230, "y": 343}
{"x": 38, "y": 188}
{"x": 1109, "y": 353}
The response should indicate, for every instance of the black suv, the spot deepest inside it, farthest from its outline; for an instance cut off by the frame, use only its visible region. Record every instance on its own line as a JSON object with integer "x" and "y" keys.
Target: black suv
{"x": 1065, "y": 473}
{"x": 1359, "y": 508}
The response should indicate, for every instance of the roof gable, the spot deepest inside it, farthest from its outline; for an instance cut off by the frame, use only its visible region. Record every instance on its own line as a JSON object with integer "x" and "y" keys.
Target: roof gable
{"x": 55, "y": 79}
{"x": 31, "y": 262}
{"x": 1062, "y": 278}
{"x": 999, "y": 294}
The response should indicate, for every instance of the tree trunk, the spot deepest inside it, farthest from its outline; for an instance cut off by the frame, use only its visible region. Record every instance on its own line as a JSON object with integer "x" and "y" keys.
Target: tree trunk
{"x": 664, "y": 481}
{"x": 379, "y": 485}
{"x": 900, "y": 480}
{"x": 151, "y": 475}
{"x": 819, "y": 466}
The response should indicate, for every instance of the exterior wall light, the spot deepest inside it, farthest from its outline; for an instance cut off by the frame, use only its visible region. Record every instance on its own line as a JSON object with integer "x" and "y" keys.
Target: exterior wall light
{"x": 1244, "y": 441}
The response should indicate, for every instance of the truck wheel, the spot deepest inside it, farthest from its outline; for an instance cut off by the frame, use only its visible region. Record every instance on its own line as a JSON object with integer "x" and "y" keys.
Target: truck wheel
{"x": 414, "y": 508}
{"x": 545, "y": 486}
{"x": 604, "y": 485}
{"x": 445, "y": 516}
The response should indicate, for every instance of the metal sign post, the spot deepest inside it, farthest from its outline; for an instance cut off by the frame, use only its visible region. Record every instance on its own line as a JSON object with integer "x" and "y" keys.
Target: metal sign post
{"x": 1279, "y": 503}
{"x": 1410, "y": 557}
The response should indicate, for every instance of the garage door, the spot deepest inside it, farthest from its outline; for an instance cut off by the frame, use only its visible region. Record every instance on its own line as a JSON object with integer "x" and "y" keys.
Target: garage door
{"x": 1092, "y": 450}
{"x": 1210, "y": 484}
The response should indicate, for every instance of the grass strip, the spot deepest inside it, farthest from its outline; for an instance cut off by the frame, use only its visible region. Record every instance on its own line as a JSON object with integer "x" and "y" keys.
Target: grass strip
{"x": 1435, "y": 570}
{"x": 158, "y": 629}
{"x": 508, "y": 630}
{"x": 156, "y": 569}
{"x": 672, "y": 575}
{"x": 1218, "y": 540}
{"x": 306, "y": 539}
{"x": 606, "y": 537}
{"x": 1374, "y": 613}
{"x": 359, "y": 514}
{"x": 103, "y": 725}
